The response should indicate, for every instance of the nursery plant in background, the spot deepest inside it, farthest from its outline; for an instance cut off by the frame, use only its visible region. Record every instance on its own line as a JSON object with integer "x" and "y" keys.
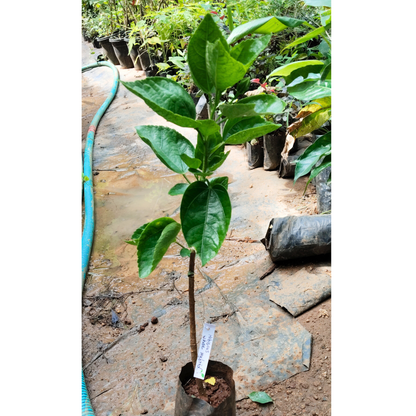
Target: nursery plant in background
{"x": 310, "y": 82}
{"x": 205, "y": 210}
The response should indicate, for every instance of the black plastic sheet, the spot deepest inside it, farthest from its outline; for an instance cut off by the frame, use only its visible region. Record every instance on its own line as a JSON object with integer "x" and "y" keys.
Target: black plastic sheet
{"x": 295, "y": 237}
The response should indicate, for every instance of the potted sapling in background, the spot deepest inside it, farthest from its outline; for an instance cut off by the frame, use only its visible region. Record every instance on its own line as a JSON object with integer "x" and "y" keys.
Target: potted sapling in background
{"x": 205, "y": 211}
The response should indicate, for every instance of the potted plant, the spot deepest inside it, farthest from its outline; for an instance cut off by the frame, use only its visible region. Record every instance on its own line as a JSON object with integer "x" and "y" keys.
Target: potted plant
{"x": 205, "y": 210}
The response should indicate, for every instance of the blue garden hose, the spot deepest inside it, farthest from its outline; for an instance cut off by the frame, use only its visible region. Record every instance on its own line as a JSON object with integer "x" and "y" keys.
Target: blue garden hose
{"x": 88, "y": 232}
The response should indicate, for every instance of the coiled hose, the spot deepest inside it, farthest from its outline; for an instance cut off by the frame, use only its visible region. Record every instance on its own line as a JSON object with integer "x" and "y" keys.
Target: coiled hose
{"x": 88, "y": 232}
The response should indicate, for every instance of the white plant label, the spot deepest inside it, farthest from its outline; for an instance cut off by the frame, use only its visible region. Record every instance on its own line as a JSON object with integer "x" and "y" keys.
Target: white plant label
{"x": 204, "y": 351}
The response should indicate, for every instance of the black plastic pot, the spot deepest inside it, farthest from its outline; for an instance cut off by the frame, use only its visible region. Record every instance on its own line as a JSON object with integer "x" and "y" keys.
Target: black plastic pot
{"x": 287, "y": 167}
{"x": 109, "y": 50}
{"x": 191, "y": 406}
{"x": 194, "y": 97}
{"x": 134, "y": 55}
{"x": 151, "y": 71}
{"x": 255, "y": 154}
{"x": 273, "y": 147}
{"x": 144, "y": 58}
{"x": 96, "y": 44}
{"x": 122, "y": 52}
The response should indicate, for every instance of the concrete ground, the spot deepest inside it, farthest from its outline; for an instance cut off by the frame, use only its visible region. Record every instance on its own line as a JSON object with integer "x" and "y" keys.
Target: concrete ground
{"x": 267, "y": 348}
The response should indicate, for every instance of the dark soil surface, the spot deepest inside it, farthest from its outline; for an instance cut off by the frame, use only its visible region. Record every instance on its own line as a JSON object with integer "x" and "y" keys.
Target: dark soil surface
{"x": 216, "y": 393}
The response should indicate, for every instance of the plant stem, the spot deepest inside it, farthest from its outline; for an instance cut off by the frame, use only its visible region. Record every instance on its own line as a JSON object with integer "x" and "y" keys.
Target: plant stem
{"x": 194, "y": 351}
{"x": 230, "y": 18}
{"x": 187, "y": 180}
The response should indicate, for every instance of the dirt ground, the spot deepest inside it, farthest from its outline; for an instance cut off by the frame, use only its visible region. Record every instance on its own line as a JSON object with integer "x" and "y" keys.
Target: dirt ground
{"x": 307, "y": 393}
{"x": 130, "y": 187}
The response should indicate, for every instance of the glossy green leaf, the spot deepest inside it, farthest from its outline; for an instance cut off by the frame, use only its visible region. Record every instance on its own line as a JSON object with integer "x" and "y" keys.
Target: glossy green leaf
{"x": 178, "y": 189}
{"x": 154, "y": 242}
{"x": 136, "y": 235}
{"x": 185, "y": 252}
{"x": 241, "y": 130}
{"x": 248, "y": 50}
{"x": 260, "y": 397}
{"x": 313, "y": 34}
{"x": 287, "y": 70}
{"x": 216, "y": 161}
{"x": 318, "y": 3}
{"x": 207, "y": 31}
{"x": 312, "y": 122}
{"x": 325, "y": 163}
{"x": 212, "y": 142}
{"x": 205, "y": 217}
{"x": 262, "y": 104}
{"x": 290, "y": 21}
{"x": 312, "y": 154}
{"x": 168, "y": 146}
{"x": 191, "y": 161}
{"x": 222, "y": 180}
{"x": 264, "y": 25}
{"x": 326, "y": 72}
{"x": 242, "y": 87}
{"x": 224, "y": 70}
{"x": 170, "y": 100}
{"x": 310, "y": 90}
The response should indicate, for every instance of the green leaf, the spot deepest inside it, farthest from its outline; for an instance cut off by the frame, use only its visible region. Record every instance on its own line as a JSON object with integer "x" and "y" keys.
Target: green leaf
{"x": 223, "y": 69}
{"x": 326, "y": 72}
{"x": 242, "y": 87}
{"x": 312, "y": 122}
{"x": 310, "y": 77}
{"x": 205, "y": 217}
{"x": 191, "y": 161}
{"x": 260, "y": 397}
{"x": 185, "y": 252}
{"x": 170, "y": 100}
{"x": 222, "y": 180}
{"x": 162, "y": 66}
{"x": 318, "y": 31}
{"x": 207, "y": 31}
{"x": 136, "y": 235}
{"x": 211, "y": 141}
{"x": 287, "y": 70}
{"x": 241, "y": 130}
{"x": 168, "y": 146}
{"x": 262, "y": 104}
{"x": 326, "y": 18}
{"x": 312, "y": 154}
{"x": 310, "y": 90}
{"x": 154, "y": 242}
{"x": 264, "y": 25}
{"x": 214, "y": 162}
{"x": 178, "y": 61}
{"x": 325, "y": 163}
{"x": 248, "y": 50}
{"x": 290, "y": 21}
{"x": 318, "y": 3}
{"x": 178, "y": 189}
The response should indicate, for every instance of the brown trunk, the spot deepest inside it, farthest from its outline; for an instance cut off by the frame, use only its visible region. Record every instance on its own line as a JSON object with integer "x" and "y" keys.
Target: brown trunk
{"x": 194, "y": 350}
